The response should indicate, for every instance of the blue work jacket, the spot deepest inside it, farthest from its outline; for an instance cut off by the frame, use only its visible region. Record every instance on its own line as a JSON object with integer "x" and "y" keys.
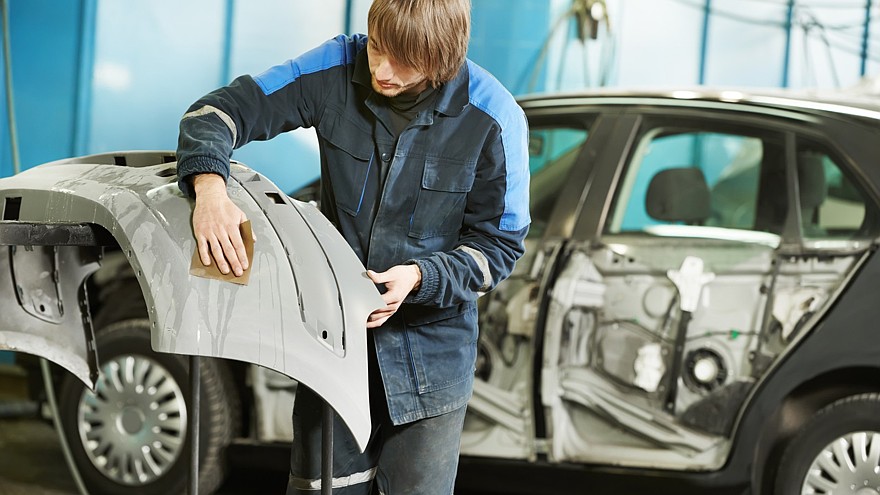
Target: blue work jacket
{"x": 452, "y": 197}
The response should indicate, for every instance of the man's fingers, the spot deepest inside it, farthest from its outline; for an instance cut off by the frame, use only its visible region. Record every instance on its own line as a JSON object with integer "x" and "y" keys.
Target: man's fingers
{"x": 217, "y": 252}
{"x": 392, "y": 298}
{"x": 232, "y": 257}
{"x": 380, "y": 316}
{"x": 378, "y": 277}
{"x": 378, "y": 323}
{"x": 381, "y": 313}
{"x": 204, "y": 251}
{"x": 240, "y": 252}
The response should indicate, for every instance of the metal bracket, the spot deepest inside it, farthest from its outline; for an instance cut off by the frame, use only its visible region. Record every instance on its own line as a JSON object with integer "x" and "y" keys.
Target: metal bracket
{"x": 13, "y": 233}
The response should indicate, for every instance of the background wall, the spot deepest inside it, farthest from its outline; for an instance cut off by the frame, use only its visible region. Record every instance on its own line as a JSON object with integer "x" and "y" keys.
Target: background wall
{"x": 91, "y": 76}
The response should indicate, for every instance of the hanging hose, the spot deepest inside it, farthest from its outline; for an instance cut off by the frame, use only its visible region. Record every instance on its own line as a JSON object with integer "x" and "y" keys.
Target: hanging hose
{"x": 53, "y": 405}
{"x": 10, "y": 107}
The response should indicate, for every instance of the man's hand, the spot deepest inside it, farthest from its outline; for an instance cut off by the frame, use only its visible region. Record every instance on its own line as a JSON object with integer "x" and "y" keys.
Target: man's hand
{"x": 216, "y": 222}
{"x": 399, "y": 281}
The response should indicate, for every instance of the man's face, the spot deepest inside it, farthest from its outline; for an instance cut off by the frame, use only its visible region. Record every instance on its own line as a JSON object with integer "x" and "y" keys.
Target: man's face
{"x": 390, "y": 78}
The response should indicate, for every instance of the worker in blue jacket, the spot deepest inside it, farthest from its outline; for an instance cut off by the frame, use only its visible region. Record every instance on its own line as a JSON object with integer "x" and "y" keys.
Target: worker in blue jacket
{"x": 424, "y": 164}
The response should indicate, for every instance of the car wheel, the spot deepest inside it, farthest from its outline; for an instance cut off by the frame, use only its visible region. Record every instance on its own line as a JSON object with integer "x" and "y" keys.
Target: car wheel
{"x": 130, "y": 435}
{"x": 837, "y": 451}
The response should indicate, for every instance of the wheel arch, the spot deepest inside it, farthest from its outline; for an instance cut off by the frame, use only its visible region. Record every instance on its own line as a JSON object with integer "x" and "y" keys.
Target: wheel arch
{"x": 117, "y": 278}
{"x": 797, "y": 407}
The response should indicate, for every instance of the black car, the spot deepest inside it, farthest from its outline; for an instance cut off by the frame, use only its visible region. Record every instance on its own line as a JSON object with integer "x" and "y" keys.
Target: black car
{"x": 695, "y": 311}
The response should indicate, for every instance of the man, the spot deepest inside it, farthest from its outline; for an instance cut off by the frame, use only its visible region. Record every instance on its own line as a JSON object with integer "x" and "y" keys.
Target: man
{"x": 425, "y": 173}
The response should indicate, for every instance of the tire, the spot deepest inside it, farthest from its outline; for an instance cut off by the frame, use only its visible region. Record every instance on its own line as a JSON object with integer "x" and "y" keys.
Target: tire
{"x": 109, "y": 433}
{"x": 836, "y": 451}
{"x": 120, "y": 299}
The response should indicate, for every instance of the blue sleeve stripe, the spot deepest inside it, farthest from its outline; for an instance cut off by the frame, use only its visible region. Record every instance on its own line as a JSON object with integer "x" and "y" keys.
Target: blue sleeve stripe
{"x": 487, "y": 94}
{"x": 340, "y": 50}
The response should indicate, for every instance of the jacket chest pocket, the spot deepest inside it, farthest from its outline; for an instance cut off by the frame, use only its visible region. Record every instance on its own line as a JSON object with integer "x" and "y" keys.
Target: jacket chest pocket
{"x": 348, "y": 151}
{"x": 442, "y": 197}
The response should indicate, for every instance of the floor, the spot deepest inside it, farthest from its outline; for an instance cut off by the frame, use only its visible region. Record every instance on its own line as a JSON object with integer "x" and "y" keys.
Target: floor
{"x": 32, "y": 461}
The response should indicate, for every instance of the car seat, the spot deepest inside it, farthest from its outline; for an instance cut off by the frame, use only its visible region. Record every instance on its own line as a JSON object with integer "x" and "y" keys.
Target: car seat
{"x": 813, "y": 191}
{"x": 678, "y": 195}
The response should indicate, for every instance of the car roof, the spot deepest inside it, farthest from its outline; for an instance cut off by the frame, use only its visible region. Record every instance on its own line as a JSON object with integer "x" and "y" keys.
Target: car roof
{"x": 843, "y": 103}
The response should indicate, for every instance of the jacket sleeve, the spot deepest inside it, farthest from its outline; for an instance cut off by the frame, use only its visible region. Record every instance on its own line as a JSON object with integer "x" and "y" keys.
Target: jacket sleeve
{"x": 495, "y": 224}
{"x": 283, "y": 98}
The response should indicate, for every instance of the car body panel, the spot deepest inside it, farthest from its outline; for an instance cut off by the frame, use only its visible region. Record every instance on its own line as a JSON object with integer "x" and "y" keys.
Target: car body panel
{"x": 303, "y": 312}
{"x": 33, "y": 313}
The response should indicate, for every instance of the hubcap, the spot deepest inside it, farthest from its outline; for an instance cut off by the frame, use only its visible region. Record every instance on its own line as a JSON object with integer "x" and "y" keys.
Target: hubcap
{"x": 134, "y": 424}
{"x": 849, "y": 464}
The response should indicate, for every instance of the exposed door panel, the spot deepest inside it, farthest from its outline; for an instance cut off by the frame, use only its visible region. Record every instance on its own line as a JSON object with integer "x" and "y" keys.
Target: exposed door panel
{"x": 658, "y": 331}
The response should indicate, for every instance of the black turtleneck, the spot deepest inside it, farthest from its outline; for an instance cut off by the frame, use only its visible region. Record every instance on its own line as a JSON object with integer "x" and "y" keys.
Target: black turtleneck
{"x": 405, "y": 107}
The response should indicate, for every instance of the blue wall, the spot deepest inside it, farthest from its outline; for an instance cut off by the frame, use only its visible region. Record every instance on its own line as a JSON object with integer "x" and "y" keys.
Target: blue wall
{"x": 99, "y": 75}
{"x": 506, "y": 41}
{"x": 45, "y": 41}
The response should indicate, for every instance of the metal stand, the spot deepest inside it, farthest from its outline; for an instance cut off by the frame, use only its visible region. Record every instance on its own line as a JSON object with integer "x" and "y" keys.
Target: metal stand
{"x": 195, "y": 404}
{"x": 327, "y": 451}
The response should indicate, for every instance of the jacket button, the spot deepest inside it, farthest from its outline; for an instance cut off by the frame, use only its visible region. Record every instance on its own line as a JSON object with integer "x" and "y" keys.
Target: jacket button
{"x": 386, "y": 156}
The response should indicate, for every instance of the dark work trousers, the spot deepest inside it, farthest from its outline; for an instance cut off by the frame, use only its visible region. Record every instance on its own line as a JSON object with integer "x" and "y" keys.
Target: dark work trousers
{"x": 418, "y": 458}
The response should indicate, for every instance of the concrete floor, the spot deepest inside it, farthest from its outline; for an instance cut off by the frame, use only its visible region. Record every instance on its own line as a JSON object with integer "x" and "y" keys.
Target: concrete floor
{"x": 31, "y": 461}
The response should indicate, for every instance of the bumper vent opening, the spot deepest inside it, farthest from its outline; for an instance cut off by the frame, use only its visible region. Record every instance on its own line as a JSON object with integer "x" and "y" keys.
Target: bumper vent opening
{"x": 12, "y": 208}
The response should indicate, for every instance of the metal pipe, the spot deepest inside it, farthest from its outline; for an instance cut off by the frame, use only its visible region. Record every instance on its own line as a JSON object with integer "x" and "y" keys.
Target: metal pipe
{"x": 327, "y": 451}
{"x": 195, "y": 404}
{"x": 785, "y": 62}
{"x": 56, "y": 418}
{"x": 226, "y": 62}
{"x": 349, "y": 12}
{"x": 86, "y": 65}
{"x": 10, "y": 100}
{"x": 707, "y": 13}
{"x": 866, "y": 35}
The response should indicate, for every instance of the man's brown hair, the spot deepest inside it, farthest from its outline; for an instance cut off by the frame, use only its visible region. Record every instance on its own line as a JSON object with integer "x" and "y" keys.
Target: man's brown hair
{"x": 430, "y": 36}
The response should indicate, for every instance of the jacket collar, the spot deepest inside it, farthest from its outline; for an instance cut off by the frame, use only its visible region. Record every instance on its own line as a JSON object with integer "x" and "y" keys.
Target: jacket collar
{"x": 452, "y": 97}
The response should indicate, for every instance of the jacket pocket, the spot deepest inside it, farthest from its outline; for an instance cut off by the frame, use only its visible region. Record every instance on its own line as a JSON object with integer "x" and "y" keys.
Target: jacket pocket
{"x": 349, "y": 154}
{"x": 442, "y": 197}
{"x": 442, "y": 344}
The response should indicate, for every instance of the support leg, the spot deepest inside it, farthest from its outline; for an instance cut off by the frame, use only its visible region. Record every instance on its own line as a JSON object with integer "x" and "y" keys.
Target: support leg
{"x": 327, "y": 451}
{"x": 195, "y": 388}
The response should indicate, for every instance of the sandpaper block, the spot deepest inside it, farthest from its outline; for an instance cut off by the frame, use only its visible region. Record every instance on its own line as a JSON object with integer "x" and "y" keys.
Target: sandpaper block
{"x": 212, "y": 272}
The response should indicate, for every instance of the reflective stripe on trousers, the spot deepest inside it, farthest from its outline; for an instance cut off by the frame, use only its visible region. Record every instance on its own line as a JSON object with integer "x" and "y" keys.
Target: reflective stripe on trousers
{"x": 345, "y": 481}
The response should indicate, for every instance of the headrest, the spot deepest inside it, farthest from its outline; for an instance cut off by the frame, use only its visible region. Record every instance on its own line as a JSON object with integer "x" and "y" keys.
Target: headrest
{"x": 811, "y": 179}
{"x": 678, "y": 195}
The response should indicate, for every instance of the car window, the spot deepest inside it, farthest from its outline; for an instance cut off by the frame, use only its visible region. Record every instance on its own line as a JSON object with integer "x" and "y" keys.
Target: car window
{"x": 832, "y": 207}
{"x": 552, "y": 153}
{"x": 687, "y": 179}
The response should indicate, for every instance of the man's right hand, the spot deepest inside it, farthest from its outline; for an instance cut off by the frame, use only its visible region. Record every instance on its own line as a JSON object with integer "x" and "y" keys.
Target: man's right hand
{"x": 216, "y": 223}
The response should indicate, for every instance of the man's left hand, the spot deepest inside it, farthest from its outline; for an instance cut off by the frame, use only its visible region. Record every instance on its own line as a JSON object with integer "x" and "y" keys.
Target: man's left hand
{"x": 399, "y": 281}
